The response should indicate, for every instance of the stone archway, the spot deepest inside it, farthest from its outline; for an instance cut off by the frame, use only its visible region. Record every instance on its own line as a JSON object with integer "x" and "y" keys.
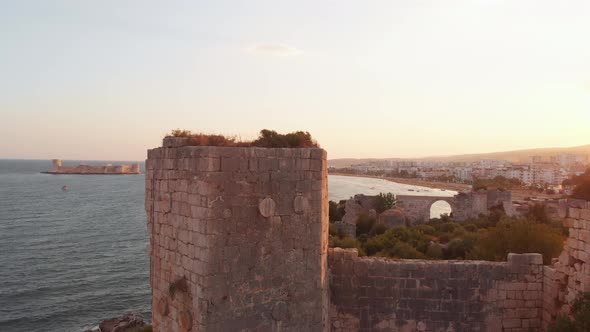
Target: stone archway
{"x": 417, "y": 208}
{"x": 439, "y": 207}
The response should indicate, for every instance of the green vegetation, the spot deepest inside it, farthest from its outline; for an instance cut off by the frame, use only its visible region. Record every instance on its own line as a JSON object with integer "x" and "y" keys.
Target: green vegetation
{"x": 577, "y": 179}
{"x": 485, "y": 238}
{"x": 181, "y": 133}
{"x": 582, "y": 188}
{"x": 336, "y": 210}
{"x": 519, "y": 237}
{"x": 499, "y": 182}
{"x": 582, "y": 191}
{"x": 580, "y": 317}
{"x": 385, "y": 202}
{"x": 266, "y": 139}
{"x": 581, "y": 184}
{"x": 272, "y": 139}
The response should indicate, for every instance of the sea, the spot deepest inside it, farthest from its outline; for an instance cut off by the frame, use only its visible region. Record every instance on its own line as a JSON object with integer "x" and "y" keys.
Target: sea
{"x": 69, "y": 259}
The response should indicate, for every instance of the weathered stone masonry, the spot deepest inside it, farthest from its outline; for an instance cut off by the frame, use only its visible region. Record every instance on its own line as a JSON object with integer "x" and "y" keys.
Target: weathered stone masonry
{"x": 463, "y": 205}
{"x": 238, "y": 242}
{"x": 570, "y": 273}
{"x": 378, "y": 294}
{"x": 238, "y": 238}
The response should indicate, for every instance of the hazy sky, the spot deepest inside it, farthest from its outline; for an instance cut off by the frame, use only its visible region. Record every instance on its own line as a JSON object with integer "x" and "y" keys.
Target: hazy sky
{"x": 107, "y": 79}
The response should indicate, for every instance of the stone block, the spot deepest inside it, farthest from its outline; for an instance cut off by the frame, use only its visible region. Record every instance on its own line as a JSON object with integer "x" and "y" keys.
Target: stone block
{"x": 511, "y": 323}
{"x": 534, "y": 286}
{"x": 206, "y": 164}
{"x": 230, "y": 164}
{"x": 583, "y": 256}
{"x": 578, "y": 203}
{"x": 584, "y": 236}
{"x": 525, "y": 259}
{"x": 574, "y": 213}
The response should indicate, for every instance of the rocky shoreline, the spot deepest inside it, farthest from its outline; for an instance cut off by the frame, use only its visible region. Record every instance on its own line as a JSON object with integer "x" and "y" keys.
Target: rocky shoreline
{"x": 130, "y": 322}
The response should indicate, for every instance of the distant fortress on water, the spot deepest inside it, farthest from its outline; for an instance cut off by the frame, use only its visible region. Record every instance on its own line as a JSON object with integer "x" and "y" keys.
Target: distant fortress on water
{"x": 57, "y": 168}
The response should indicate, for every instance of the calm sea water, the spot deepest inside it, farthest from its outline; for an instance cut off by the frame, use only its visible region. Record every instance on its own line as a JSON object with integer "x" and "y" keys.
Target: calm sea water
{"x": 70, "y": 259}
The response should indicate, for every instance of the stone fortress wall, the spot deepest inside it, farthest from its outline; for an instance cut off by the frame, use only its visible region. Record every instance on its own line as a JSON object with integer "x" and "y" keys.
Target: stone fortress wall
{"x": 58, "y": 168}
{"x": 570, "y": 273}
{"x": 238, "y": 242}
{"x": 415, "y": 209}
{"x": 378, "y": 294}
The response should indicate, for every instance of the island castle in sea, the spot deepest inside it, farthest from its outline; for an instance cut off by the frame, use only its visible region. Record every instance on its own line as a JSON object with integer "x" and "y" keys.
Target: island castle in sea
{"x": 57, "y": 168}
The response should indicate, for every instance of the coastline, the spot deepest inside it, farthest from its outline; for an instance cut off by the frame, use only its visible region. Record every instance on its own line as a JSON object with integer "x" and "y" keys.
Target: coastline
{"x": 414, "y": 182}
{"x": 518, "y": 194}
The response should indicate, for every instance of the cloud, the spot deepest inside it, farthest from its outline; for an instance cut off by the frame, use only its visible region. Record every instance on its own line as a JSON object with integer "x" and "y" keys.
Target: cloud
{"x": 274, "y": 49}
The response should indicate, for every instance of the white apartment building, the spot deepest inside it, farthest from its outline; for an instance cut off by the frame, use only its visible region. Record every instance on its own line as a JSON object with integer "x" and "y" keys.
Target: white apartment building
{"x": 521, "y": 172}
{"x": 463, "y": 173}
{"x": 492, "y": 163}
{"x": 548, "y": 173}
{"x": 565, "y": 159}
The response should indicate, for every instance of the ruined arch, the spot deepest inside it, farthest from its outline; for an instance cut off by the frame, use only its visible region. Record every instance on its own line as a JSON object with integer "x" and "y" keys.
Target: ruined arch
{"x": 438, "y": 207}
{"x": 417, "y": 208}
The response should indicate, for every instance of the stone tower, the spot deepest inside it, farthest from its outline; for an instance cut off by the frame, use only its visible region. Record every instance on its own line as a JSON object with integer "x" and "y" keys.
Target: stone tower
{"x": 238, "y": 238}
{"x": 135, "y": 168}
{"x": 55, "y": 165}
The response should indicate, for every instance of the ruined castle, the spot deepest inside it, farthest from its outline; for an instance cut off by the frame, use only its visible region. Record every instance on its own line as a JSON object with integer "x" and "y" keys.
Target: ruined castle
{"x": 58, "y": 168}
{"x": 239, "y": 242}
{"x": 415, "y": 209}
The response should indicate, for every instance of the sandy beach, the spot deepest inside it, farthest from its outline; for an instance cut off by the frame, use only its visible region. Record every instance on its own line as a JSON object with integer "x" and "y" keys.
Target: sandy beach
{"x": 415, "y": 182}
{"x": 519, "y": 194}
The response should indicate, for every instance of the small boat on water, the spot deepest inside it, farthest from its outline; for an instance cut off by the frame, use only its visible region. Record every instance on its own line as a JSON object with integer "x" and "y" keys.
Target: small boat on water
{"x": 410, "y": 189}
{"x": 65, "y": 188}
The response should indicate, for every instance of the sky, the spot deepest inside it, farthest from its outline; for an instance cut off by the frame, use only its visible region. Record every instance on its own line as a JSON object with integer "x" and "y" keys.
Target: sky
{"x": 405, "y": 78}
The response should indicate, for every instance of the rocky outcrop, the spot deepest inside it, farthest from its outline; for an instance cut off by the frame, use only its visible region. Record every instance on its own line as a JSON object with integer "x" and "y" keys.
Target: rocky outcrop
{"x": 120, "y": 324}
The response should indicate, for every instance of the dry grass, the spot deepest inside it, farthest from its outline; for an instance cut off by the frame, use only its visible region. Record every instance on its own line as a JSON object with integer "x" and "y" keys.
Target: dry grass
{"x": 266, "y": 139}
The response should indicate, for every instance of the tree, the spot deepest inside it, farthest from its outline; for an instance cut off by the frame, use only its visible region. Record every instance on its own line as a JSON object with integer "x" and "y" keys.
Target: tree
{"x": 582, "y": 190}
{"x": 335, "y": 211}
{"x": 272, "y": 139}
{"x": 581, "y": 185}
{"x": 384, "y": 202}
{"x": 364, "y": 224}
{"x": 538, "y": 213}
{"x": 519, "y": 236}
{"x": 499, "y": 182}
{"x": 460, "y": 248}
